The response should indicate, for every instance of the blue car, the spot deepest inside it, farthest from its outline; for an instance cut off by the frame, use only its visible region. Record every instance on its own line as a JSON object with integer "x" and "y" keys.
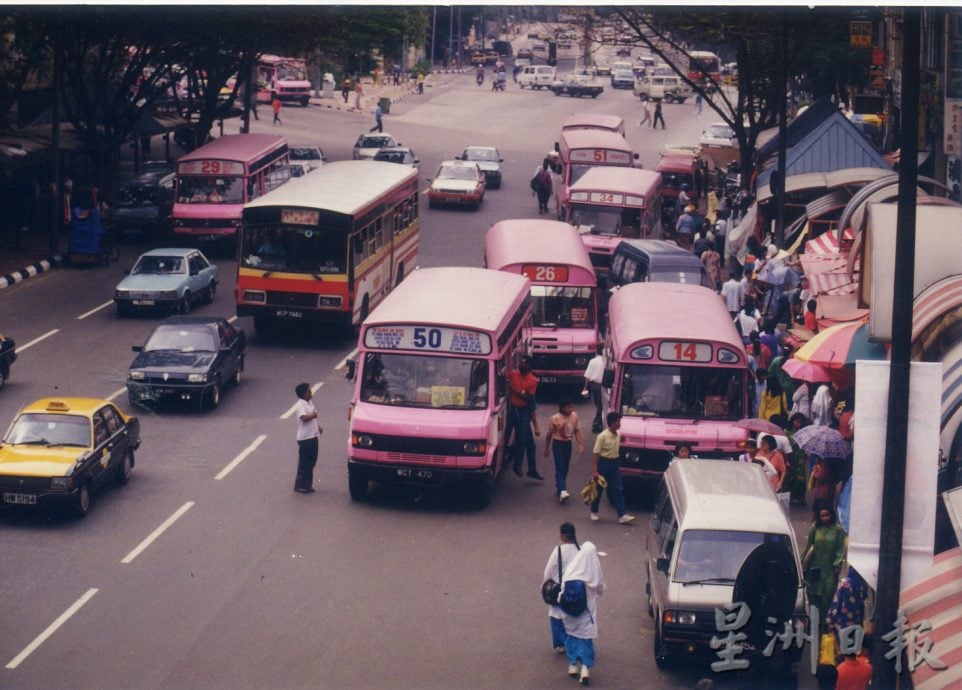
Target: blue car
{"x": 169, "y": 280}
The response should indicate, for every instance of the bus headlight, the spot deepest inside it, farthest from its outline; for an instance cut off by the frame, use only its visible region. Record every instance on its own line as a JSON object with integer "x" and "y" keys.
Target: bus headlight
{"x": 328, "y": 301}
{"x": 361, "y": 440}
{"x": 679, "y": 617}
{"x": 258, "y": 296}
{"x": 475, "y": 447}
{"x": 632, "y": 456}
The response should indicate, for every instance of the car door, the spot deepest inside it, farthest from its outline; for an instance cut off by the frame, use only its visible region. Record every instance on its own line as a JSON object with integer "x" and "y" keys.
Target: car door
{"x": 117, "y": 441}
{"x": 196, "y": 279}
{"x": 230, "y": 350}
{"x": 101, "y": 455}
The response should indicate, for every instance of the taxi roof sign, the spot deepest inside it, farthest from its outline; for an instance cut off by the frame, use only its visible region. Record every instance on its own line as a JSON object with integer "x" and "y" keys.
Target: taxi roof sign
{"x": 58, "y": 406}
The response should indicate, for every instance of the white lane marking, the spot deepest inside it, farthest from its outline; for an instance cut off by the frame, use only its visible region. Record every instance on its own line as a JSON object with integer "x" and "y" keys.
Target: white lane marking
{"x": 314, "y": 389}
{"x": 157, "y": 532}
{"x": 232, "y": 319}
{"x": 33, "y": 342}
{"x": 351, "y": 355}
{"x": 94, "y": 310}
{"x": 116, "y": 394}
{"x": 240, "y": 458}
{"x": 52, "y": 628}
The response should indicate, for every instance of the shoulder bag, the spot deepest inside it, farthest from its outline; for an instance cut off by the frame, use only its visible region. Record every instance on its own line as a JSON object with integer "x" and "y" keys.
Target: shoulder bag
{"x": 551, "y": 590}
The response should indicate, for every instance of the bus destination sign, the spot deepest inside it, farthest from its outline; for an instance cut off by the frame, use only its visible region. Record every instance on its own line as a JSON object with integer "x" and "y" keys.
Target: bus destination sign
{"x": 210, "y": 167}
{"x": 427, "y": 339}
{"x": 674, "y": 351}
{"x": 541, "y": 273}
{"x": 600, "y": 156}
{"x": 299, "y": 216}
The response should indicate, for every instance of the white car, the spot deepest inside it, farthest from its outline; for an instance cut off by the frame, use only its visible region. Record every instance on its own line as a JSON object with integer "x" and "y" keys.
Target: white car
{"x": 369, "y": 144}
{"x": 457, "y": 182}
{"x": 717, "y": 134}
{"x": 312, "y": 156}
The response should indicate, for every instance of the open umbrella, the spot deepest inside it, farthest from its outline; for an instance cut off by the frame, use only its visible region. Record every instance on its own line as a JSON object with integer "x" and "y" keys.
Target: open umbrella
{"x": 823, "y": 441}
{"x": 806, "y": 371}
{"x": 837, "y": 347}
{"x": 762, "y": 426}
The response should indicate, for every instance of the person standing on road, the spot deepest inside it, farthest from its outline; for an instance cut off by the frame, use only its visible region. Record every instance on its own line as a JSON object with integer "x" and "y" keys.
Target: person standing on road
{"x": 698, "y": 102}
{"x": 562, "y": 430}
{"x": 358, "y": 94}
{"x": 582, "y": 630}
{"x": 658, "y": 116}
{"x": 276, "y": 107}
{"x": 566, "y": 550}
{"x": 543, "y": 187}
{"x": 645, "y": 114}
{"x": 555, "y": 169}
{"x": 521, "y": 417}
{"x": 594, "y": 374}
{"x": 420, "y": 83}
{"x": 605, "y": 463}
{"x": 378, "y": 125}
{"x": 345, "y": 89}
{"x": 308, "y": 431}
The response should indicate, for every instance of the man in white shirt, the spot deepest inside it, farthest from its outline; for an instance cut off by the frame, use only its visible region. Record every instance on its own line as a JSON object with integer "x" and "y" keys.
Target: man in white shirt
{"x": 733, "y": 292}
{"x": 594, "y": 374}
{"x": 308, "y": 431}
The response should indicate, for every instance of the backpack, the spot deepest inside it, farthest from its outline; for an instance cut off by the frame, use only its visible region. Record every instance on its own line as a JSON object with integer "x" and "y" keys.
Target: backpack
{"x": 574, "y": 597}
{"x": 544, "y": 179}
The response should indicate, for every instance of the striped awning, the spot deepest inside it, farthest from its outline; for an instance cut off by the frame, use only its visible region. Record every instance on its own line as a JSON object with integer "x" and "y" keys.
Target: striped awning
{"x": 934, "y": 301}
{"x": 938, "y": 600}
{"x": 827, "y": 242}
{"x": 832, "y": 283}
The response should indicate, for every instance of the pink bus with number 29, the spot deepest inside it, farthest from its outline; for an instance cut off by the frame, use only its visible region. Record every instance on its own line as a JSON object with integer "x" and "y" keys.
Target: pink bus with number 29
{"x": 564, "y": 332}
{"x": 430, "y": 395}
{"x": 678, "y": 374}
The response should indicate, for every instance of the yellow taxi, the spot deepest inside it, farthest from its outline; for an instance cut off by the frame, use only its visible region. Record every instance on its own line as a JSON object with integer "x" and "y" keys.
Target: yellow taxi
{"x": 59, "y": 451}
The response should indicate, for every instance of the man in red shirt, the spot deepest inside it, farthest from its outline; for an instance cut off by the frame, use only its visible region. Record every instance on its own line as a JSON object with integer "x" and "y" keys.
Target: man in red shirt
{"x": 522, "y": 385}
{"x": 854, "y": 673}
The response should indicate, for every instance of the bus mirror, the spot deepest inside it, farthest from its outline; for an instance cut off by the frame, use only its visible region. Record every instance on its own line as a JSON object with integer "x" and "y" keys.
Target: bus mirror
{"x": 608, "y": 378}
{"x": 351, "y": 367}
{"x": 661, "y": 565}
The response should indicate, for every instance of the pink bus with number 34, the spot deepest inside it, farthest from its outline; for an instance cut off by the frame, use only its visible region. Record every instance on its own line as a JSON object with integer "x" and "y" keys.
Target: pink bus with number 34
{"x": 564, "y": 331}
{"x": 678, "y": 373}
{"x": 430, "y": 392}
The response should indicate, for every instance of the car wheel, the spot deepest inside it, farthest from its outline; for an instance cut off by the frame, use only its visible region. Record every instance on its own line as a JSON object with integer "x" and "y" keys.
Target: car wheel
{"x": 669, "y": 98}
{"x": 210, "y": 293}
{"x": 236, "y": 378}
{"x": 183, "y": 304}
{"x": 213, "y": 397}
{"x": 126, "y": 467}
{"x": 594, "y": 95}
{"x": 651, "y": 610}
{"x": 356, "y": 483}
{"x": 662, "y": 651}
{"x": 81, "y": 503}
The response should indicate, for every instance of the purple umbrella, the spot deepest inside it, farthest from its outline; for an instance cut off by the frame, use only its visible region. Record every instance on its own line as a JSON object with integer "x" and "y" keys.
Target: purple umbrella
{"x": 822, "y": 441}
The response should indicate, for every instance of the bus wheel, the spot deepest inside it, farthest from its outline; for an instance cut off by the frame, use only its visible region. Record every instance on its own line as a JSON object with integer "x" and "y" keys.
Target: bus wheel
{"x": 483, "y": 491}
{"x": 356, "y": 484}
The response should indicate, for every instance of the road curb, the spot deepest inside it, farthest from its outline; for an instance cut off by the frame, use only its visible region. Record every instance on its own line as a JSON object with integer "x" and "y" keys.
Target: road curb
{"x": 31, "y": 270}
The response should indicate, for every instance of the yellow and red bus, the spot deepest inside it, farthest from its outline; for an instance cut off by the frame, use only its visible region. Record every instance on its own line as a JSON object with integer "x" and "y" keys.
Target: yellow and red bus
{"x": 329, "y": 246}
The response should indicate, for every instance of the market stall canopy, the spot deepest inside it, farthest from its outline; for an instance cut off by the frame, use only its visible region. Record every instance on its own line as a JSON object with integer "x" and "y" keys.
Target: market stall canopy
{"x": 839, "y": 347}
{"x": 813, "y": 181}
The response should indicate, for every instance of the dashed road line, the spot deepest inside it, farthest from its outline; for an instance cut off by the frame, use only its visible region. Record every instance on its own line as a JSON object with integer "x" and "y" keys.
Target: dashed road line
{"x": 157, "y": 532}
{"x": 52, "y": 628}
{"x": 94, "y": 310}
{"x": 240, "y": 458}
{"x": 33, "y": 342}
{"x": 314, "y": 389}
{"x": 116, "y": 394}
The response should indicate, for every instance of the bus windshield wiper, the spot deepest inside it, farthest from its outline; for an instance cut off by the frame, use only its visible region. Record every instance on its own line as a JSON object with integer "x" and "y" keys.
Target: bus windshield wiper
{"x": 710, "y": 580}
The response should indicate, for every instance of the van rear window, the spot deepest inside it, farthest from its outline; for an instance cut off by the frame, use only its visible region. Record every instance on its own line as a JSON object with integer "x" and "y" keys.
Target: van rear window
{"x": 716, "y": 556}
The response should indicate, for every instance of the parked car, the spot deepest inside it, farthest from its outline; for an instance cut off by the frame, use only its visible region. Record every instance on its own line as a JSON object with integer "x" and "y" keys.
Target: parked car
{"x": 8, "y": 355}
{"x": 525, "y": 53}
{"x": 602, "y": 70}
{"x": 577, "y": 85}
{"x": 143, "y": 204}
{"x": 622, "y": 79}
{"x": 167, "y": 279}
{"x": 457, "y": 182}
{"x": 59, "y": 451}
{"x": 367, "y": 145}
{"x": 717, "y": 134}
{"x": 313, "y": 156}
{"x": 538, "y": 48}
{"x": 521, "y": 63}
{"x": 398, "y": 154}
{"x": 187, "y": 358}
{"x": 489, "y": 160}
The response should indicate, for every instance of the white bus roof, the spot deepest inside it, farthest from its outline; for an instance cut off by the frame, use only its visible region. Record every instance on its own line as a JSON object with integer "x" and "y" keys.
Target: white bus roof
{"x": 613, "y": 123}
{"x": 471, "y": 298}
{"x": 670, "y": 311}
{"x": 617, "y": 179}
{"x": 593, "y": 139}
{"x": 512, "y": 242}
{"x": 343, "y": 187}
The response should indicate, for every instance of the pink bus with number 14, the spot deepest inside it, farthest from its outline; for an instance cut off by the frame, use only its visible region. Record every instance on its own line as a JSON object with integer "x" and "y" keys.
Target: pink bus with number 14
{"x": 564, "y": 332}
{"x": 429, "y": 401}
{"x": 678, "y": 373}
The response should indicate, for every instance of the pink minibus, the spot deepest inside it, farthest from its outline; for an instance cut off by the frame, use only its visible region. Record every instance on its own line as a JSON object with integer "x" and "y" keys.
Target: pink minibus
{"x": 608, "y": 123}
{"x": 430, "y": 392}
{"x": 608, "y": 205}
{"x": 678, "y": 373}
{"x": 564, "y": 330}
{"x": 583, "y": 149}
{"x": 215, "y": 181}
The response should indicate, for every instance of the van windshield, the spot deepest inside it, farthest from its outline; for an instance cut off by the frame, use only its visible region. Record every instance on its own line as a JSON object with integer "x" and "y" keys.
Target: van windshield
{"x": 718, "y": 555}
{"x": 656, "y": 390}
{"x": 607, "y": 220}
{"x": 411, "y": 380}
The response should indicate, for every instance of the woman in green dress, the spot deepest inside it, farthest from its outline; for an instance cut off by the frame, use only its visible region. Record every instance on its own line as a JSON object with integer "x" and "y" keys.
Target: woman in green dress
{"x": 825, "y": 552}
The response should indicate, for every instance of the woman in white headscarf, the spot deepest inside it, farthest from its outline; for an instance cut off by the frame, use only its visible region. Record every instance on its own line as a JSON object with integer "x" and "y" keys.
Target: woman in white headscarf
{"x": 582, "y": 630}
{"x": 567, "y": 551}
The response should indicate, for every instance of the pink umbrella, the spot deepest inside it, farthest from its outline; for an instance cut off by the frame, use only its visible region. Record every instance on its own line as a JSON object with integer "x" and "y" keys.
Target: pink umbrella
{"x": 762, "y": 426}
{"x": 806, "y": 371}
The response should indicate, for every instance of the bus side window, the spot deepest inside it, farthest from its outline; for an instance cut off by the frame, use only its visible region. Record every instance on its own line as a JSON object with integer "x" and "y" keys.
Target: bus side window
{"x": 378, "y": 239}
{"x": 253, "y": 188}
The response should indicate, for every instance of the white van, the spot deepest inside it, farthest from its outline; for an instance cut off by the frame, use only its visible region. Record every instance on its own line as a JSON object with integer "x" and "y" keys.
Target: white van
{"x": 536, "y": 76}
{"x": 669, "y": 88}
{"x": 718, "y": 536}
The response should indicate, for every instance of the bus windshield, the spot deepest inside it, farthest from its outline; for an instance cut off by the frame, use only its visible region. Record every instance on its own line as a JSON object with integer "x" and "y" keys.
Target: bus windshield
{"x": 294, "y": 249}
{"x": 607, "y": 220}
{"x": 210, "y": 190}
{"x": 562, "y": 307}
{"x": 576, "y": 170}
{"x": 413, "y": 380}
{"x": 657, "y": 390}
{"x": 291, "y": 74}
{"x": 718, "y": 555}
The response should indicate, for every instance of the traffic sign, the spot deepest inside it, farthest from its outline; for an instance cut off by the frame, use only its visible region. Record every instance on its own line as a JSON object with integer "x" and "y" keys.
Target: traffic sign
{"x": 861, "y": 34}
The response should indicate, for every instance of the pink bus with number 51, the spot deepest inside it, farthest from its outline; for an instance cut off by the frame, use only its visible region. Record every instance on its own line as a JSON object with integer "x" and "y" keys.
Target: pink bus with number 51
{"x": 678, "y": 373}
{"x": 430, "y": 392}
{"x": 564, "y": 331}
{"x": 583, "y": 149}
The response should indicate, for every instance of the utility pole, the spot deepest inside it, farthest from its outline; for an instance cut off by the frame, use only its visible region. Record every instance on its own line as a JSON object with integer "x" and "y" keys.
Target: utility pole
{"x": 57, "y": 207}
{"x": 450, "y": 36}
{"x": 896, "y": 446}
{"x": 782, "y": 144}
{"x": 434, "y": 31}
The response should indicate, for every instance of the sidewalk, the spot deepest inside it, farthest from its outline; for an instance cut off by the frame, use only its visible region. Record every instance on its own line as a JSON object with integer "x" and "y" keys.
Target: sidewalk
{"x": 386, "y": 89}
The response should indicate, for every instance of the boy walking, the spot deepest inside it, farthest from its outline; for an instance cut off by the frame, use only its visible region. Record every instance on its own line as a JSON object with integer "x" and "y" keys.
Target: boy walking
{"x": 605, "y": 460}
{"x": 276, "y": 107}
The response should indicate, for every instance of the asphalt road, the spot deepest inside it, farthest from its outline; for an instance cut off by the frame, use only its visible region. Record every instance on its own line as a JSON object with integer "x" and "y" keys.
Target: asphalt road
{"x": 208, "y": 571}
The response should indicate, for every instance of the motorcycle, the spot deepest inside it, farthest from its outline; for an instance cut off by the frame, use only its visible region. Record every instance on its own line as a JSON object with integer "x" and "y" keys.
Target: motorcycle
{"x": 497, "y": 85}
{"x": 480, "y": 77}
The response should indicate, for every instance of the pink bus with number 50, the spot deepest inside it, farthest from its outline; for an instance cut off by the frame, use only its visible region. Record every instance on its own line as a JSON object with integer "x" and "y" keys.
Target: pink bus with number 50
{"x": 564, "y": 331}
{"x": 430, "y": 392}
{"x": 678, "y": 373}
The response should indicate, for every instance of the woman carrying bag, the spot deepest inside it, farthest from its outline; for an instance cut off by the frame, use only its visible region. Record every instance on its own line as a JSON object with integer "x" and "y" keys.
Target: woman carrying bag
{"x": 824, "y": 555}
